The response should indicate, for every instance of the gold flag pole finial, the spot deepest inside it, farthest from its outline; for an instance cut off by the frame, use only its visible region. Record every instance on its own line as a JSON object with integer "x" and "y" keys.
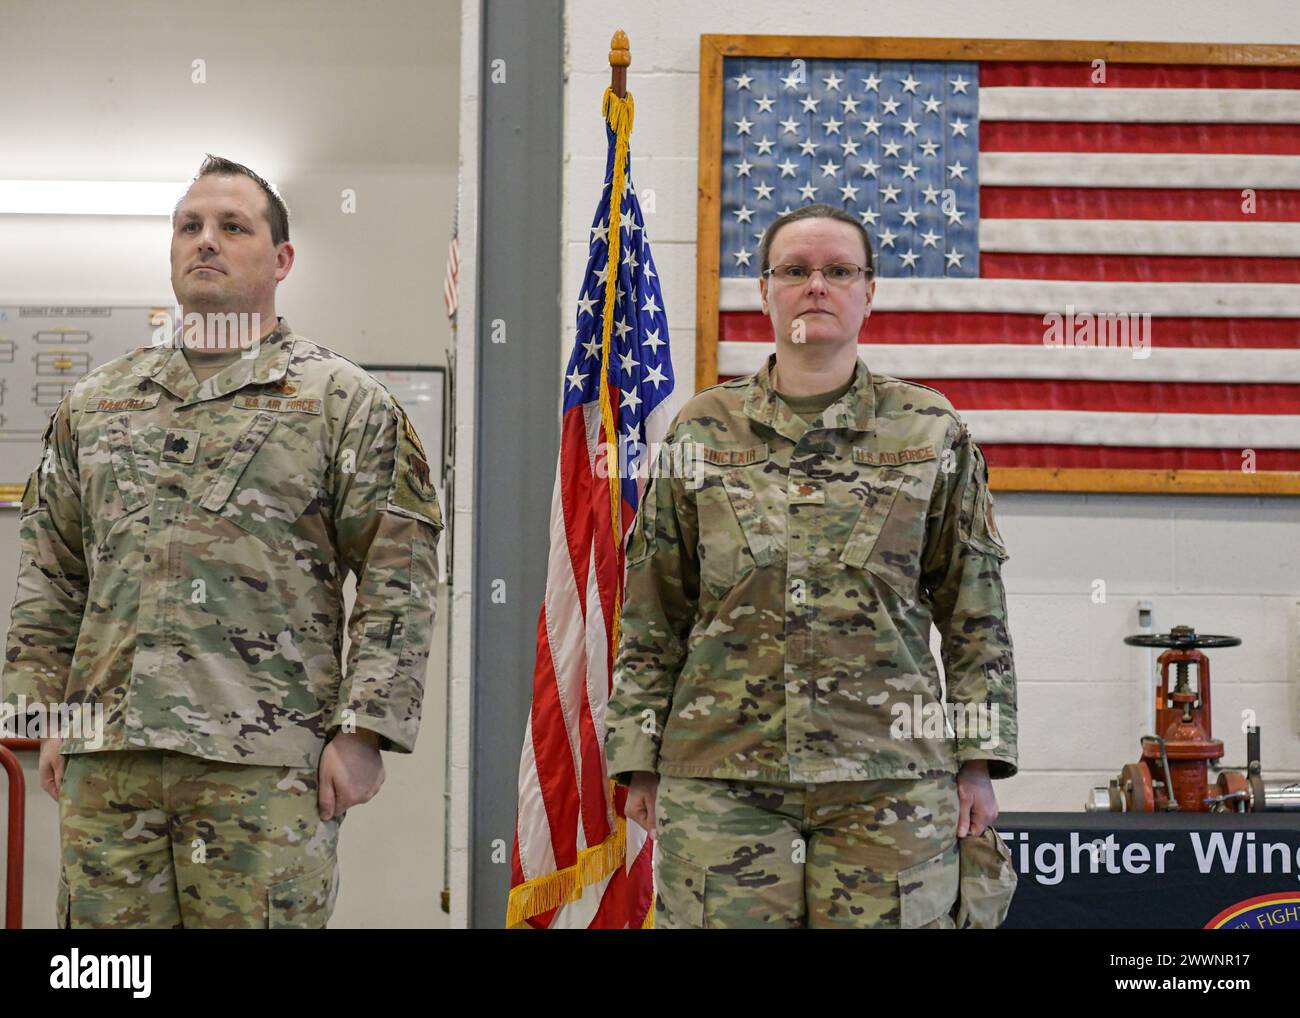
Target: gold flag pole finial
{"x": 620, "y": 55}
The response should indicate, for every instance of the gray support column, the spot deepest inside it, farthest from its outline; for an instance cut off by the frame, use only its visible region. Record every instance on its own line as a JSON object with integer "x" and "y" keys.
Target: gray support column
{"x": 518, "y": 370}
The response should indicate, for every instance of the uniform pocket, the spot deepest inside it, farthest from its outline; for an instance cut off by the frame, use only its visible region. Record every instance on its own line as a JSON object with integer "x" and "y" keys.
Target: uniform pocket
{"x": 739, "y": 530}
{"x": 988, "y": 882}
{"x": 679, "y": 891}
{"x": 305, "y": 902}
{"x": 889, "y": 535}
{"x": 130, "y": 488}
{"x": 265, "y": 483}
{"x": 927, "y": 891}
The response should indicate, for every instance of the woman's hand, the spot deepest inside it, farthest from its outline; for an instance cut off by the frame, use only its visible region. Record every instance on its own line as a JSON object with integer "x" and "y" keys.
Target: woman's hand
{"x": 977, "y": 807}
{"x": 49, "y": 767}
{"x": 641, "y": 800}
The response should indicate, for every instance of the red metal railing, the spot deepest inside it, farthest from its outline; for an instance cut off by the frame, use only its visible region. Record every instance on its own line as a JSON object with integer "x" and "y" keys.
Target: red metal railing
{"x": 16, "y": 826}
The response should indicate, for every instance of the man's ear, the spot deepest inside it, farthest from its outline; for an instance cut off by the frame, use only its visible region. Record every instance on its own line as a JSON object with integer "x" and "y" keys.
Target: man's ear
{"x": 762, "y": 292}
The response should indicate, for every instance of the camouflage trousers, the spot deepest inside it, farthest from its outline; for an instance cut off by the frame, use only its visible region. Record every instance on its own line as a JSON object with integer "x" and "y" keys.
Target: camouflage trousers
{"x": 861, "y": 854}
{"x": 156, "y": 839}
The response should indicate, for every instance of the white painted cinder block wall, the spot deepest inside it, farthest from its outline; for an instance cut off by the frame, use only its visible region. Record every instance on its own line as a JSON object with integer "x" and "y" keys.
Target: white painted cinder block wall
{"x": 1224, "y": 565}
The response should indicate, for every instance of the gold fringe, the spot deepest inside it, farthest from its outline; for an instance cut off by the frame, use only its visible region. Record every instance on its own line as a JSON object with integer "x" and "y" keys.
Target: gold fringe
{"x": 543, "y": 894}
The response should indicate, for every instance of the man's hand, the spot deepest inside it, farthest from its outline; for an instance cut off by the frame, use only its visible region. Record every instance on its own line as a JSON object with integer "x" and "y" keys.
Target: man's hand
{"x": 49, "y": 767}
{"x": 977, "y": 807}
{"x": 641, "y": 794}
{"x": 351, "y": 772}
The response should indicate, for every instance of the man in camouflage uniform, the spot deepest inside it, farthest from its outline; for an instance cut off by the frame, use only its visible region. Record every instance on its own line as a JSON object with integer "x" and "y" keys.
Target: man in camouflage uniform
{"x": 185, "y": 541}
{"x": 774, "y": 666}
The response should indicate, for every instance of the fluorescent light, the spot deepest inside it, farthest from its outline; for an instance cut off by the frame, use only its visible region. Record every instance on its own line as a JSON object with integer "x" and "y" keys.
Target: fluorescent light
{"x": 90, "y": 197}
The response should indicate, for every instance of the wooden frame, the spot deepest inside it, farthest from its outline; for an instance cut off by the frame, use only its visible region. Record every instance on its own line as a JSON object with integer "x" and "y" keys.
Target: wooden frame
{"x": 714, "y": 48}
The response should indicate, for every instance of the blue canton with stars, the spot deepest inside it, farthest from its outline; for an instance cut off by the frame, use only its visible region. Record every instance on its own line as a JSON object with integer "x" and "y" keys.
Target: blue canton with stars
{"x": 639, "y": 365}
{"x": 895, "y": 143}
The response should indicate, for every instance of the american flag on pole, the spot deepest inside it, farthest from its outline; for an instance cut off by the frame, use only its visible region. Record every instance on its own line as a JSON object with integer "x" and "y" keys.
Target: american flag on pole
{"x": 1098, "y": 263}
{"x": 577, "y": 862}
{"x": 451, "y": 283}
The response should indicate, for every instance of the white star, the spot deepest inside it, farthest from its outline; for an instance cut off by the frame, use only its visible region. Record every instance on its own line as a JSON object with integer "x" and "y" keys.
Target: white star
{"x": 958, "y": 127}
{"x": 931, "y": 195}
{"x": 909, "y": 169}
{"x": 743, "y": 167}
{"x": 764, "y": 146}
{"x": 959, "y": 84}
{"x": 872, "y": 125}
{"x": 763, "y": 190}
{"x": 954, "y": 216}
{"x": 829, "y": 169}
{"x": 931, "y": 238}
{"x": 810, "y": 104}
{"x": 849, "y": 105}
{"x": 808, "y": 191}
{"x": 765, "y": 104}
{"x": 868, "y": 217}
{"x": 790, "y": 126}
{"x": 785, "y": 211}
{"x": 892, "y": 148}
{"x": 649, "y": 271}
{"x": 909, "y": 215}
{"x": 871, "y": 83}
{"x": 850, "y": 147}
{"x": 630, "y": 261}
{"x": 929, "y": 147}
{"x": 576, "y": 379}
{"x": 887, "y": 237}
{"x": 957, "y": 170}
{"x": 954, "y": 259}
{"x": 792, "y": 80}
{"x": 909, "y": 259}
{"x": 910, "y": 126}
{"x": 909, "y": 83}
{"x": 890, "y": 105}
{"x": 890, "y": 193}
{"x": 631, "y": 400}
{"x": 787, "y": 168}
{"x": 600, "y": 233}
{"x": 743, "y": 214}
{"x": 622, "y": 328}
{"x": 808, "y": 147}
{"x": 650, "y": 305}
{"x": 652, "y": 340}
{"x": 743, "y": 81}
{"x": 832, "y": 126}
{"x": 833, "y": 83}
{"x": 585, "y": 304}
{"x": 627, "y": 362}
{"x": 654, "y": 375}
{"x": 742, "y": 257}
{"x": 932, "y": 105}
{"x": 869, "y": 168}
{"x": 849, "y": 192}
{"x": 592, "y": 346}
{"x": 743, "y": 126}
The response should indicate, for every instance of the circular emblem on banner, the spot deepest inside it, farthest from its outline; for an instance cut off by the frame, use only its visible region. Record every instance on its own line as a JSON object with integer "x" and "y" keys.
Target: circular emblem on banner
{"x": 1279, "y": 911}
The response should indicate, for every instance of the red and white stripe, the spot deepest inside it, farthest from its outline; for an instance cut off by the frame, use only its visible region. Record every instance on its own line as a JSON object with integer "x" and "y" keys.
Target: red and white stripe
{"x": 564, "y": 804}
{"x": 1126, "y": 197}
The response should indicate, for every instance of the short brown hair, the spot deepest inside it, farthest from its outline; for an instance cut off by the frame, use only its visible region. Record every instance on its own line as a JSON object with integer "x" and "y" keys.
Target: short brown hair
{"x": 277, "y": 213}
{"x": 818, "y": 210}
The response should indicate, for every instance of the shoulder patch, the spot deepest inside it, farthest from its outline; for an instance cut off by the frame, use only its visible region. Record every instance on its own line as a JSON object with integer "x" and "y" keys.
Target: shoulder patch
{"x": 412, "y": 492}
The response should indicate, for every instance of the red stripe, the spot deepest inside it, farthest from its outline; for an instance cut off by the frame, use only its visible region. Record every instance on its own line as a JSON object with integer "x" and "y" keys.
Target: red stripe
{"x": 1012, "y": 73}
{"x": 1271, "y": 206}
{"x": 977, "y": 327}
{"x": 1138, "y": 268}
{"x": 1136, "y": 397}
{"x": 1107, "y": 136}
{"x": 1135, "y": 458}
{"x": 555, "y": 775}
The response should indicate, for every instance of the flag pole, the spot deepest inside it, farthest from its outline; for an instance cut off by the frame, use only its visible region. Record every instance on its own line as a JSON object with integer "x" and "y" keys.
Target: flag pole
{"x": 620, "y": 56}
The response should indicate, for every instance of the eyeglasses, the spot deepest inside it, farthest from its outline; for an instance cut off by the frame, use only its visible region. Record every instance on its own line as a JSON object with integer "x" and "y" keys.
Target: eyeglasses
{"x": 836, "y": 273}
